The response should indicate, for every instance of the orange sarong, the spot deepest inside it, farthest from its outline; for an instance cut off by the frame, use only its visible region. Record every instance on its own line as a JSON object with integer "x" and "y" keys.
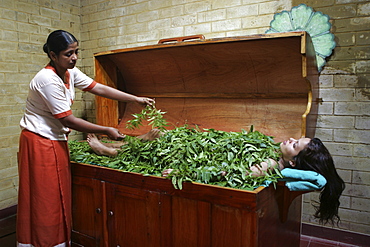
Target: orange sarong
{"x": 44, "y": 198}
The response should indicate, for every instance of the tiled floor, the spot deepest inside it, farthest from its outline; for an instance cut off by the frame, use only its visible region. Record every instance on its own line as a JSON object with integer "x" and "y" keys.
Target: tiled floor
{"x": 307, "y": 241}
{"x": 7, "y": 231}
{"x": 7, "y": 237}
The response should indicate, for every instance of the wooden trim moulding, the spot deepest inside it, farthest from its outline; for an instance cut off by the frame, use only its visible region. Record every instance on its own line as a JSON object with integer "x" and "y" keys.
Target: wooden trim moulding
{"x": 337, "y": 235}
{"x": 6, "y": 212}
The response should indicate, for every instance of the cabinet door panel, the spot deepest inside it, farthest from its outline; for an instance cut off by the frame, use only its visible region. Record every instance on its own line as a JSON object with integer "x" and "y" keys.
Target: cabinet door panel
{"x": 133, "y": 216}
{"x": 190, "y": 222}
{"x": 87, "y": 211}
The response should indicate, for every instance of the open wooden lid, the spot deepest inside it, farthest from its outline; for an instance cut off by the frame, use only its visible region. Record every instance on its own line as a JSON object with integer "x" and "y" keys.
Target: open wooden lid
{"x": 269, "y": 81}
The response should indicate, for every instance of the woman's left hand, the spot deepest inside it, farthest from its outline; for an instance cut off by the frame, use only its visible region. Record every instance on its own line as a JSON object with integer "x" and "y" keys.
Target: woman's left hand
{"x": 114, "y": 134}
{"x": 146, "y": 101}
{"x": 166, "y": 172}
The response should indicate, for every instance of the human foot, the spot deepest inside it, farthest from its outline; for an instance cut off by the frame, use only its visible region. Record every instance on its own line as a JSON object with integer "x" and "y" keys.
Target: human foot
{"x": 99, "y": 147}
{"x": 151, "y": 135}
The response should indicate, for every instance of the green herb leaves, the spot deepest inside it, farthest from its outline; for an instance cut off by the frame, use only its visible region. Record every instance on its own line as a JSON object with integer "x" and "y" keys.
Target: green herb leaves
{"x": 150, "y": 114}
{"x": 209, "y": 156}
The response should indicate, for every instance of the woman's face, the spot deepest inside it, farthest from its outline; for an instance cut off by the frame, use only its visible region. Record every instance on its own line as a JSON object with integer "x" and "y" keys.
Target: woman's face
{"x": 292, "y": 147}
{"x": 67, "y": 58}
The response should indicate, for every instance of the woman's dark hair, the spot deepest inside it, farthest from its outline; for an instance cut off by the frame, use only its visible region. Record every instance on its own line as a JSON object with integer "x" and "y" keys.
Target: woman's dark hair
{"x": 58, "y": 41}
{"x": 316, "y": 157}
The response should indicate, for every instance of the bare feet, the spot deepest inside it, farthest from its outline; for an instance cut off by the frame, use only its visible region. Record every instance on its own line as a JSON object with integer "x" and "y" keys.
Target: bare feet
{"x": 98, "y": 147}
{"x": 110, "y": 149}
{"x": 151, "y": 135}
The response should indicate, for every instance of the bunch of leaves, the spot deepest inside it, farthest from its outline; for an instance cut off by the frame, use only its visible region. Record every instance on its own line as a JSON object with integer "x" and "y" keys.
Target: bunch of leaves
{"x": 152, "y": 115}
{"x": 209, "y": 156}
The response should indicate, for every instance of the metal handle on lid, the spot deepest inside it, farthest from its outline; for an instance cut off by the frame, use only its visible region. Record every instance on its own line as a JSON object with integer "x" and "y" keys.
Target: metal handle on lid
{"x": 181, "y": 39}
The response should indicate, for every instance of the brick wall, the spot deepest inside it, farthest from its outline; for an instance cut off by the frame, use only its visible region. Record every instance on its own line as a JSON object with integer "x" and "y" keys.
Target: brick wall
{"x": 108, "y": 25}
{"x": 24, "y": 26}
{"x": 344, "y": 121}
{"x": 105, "y": 25}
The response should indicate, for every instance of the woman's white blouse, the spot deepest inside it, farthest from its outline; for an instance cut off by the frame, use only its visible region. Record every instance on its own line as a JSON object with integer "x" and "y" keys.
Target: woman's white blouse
{"x": 50, "y": 99}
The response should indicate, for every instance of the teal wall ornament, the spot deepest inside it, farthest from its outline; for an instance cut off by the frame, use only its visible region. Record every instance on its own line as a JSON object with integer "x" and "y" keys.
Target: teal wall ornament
{"x": 316, "y": 24}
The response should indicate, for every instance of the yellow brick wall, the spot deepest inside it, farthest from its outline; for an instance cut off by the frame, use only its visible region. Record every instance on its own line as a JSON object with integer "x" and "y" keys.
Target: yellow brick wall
{"x": 24, "y": 26}
{"x": 108, "y": 25}
{"x": 344, "y": 121}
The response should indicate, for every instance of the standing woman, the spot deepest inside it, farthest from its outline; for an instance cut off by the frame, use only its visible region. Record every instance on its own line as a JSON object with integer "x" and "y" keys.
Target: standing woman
{"x": 44, "y": 202}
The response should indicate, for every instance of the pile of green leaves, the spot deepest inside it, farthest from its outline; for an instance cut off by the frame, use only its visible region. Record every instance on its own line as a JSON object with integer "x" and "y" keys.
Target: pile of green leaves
{"x": 208, "y": 156}
{"x": 152, "y": 115}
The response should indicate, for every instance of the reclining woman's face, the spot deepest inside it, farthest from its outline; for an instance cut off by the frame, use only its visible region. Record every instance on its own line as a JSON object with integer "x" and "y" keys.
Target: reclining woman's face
{"x": 292, "y": 147}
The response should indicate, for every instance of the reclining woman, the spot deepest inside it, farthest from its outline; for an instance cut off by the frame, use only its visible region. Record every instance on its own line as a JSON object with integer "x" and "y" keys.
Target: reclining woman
{"x": 303, "y": 154}
{"x": 311, "y": 155}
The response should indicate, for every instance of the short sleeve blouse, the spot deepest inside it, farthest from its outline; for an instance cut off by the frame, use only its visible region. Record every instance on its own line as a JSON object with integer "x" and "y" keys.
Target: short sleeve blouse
{"x": 49, "y": 99}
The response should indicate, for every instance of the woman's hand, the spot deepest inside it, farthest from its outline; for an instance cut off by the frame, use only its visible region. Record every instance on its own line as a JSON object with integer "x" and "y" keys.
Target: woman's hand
{"x": 166, "y": 172}
{"x": 145, "y": 101}
{"x": 114, "y": 94}
{"x": 79, "y": 124}
{"x": 114, "y": 134}
{"x": 263, "y": 168}
{"x": 256, "y": 171}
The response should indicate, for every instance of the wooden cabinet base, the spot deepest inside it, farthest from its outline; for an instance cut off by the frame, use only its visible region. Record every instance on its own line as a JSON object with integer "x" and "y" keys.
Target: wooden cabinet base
{"x": 269, "y": 81}
{"x": 115, "y": 208}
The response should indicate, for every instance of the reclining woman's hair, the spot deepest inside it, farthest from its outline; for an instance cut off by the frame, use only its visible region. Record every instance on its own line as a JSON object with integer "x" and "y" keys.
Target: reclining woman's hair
{"x": 316, "y": 157}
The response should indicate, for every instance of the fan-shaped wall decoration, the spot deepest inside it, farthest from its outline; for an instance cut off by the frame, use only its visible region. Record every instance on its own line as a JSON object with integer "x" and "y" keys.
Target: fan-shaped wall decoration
{"x": 316, "y": 24}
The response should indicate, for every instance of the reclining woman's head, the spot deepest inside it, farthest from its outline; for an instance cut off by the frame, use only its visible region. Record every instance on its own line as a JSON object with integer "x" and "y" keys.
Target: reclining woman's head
{"x": 316, "y": 157}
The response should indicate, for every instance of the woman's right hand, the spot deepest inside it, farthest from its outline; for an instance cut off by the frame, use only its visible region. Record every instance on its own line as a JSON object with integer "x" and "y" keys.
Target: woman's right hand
{"x": 166, "y": 172}
{"x": 114, "y": 134}
{"x": 145, "y": 101}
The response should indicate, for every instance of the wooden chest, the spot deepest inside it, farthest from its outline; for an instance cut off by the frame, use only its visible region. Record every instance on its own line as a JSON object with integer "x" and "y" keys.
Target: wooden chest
{"x": 269, "y": 81}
